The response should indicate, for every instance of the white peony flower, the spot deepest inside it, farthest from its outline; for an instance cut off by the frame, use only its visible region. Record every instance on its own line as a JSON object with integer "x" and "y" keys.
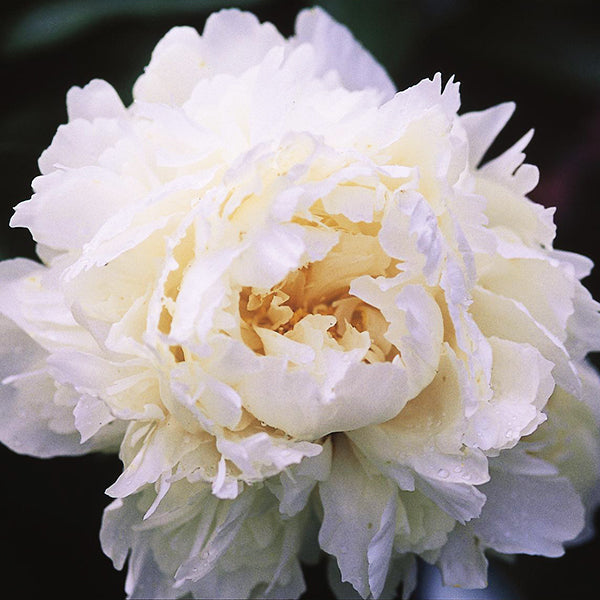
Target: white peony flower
{"x": 307, "y": 318}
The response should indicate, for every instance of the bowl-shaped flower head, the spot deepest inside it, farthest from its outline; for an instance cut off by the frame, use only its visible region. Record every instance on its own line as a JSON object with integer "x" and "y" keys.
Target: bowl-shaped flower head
{"x": 306, "y": 316}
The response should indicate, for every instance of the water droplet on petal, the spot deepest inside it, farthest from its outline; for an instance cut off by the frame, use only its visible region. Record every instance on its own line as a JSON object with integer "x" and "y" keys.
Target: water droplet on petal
{"x": 443, "y": 473}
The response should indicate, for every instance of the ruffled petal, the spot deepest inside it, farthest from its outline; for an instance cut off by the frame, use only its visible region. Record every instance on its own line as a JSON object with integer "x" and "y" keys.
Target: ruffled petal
{"x": 338, "y": 50}
{"x": 358, "y": 526}
{"x": 462, "y": 561}
{"x": 540, "y": 513}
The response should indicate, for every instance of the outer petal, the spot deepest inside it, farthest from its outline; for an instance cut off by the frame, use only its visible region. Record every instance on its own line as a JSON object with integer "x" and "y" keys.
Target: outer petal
{"x": 540, "y": 285}
{"x": 508, "y": 168}
{"x": 426, "y": 437}
{"x": 262, "y": 563}
{"x": 79, "y": 144}
{"x": 522, "y": 384}
{"x": 29, "y": 297}
{"x": 37, "y": 412}
{"x": 529, "y": 508}
{"x": 358, "y": 521}
{"x": 69, "y": 207}
{"x": 483, "y": 126}
{"x": 462, "y": 561}
{"x": 177, "y": 65}
{"x": 338, "y": 50}
{"x": 583, "y": 326}
{"x": 509, "y": 319}
{"x": 156, "y": 453}
{"x": 97, "y": 100}
{"x": 510, "y": 211}
{"x": 34, "y": 421}
{"x": 234, "y": 41}
{"x": 297, "y": 482}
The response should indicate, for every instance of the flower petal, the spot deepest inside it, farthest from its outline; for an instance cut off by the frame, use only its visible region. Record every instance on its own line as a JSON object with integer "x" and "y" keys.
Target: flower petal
{"x": 358, "y": 526}
{"x": 337, "y": 49}
{"x": 527, "y": 510}
{"x": 462, "y": 561}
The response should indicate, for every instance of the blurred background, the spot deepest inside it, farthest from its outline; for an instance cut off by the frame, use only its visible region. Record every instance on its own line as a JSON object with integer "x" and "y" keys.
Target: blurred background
{"x": 545, "y": 55}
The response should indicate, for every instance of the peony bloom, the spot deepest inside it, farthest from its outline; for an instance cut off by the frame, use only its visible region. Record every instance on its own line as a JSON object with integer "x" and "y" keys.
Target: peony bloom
{"x": 306, "y": 317}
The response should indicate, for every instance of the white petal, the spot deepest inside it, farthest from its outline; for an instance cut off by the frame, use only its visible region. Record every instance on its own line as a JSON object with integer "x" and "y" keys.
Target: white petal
{"x": 97, "y": 100}
{"x": 583, "y": 326}
{"x": 235, "y": 41}
{"x": 212, "y": 542}
{"x": 526, "y": 512}
{"x": 522, "y": 383}
{"x": 383, "y": 384}
{"x": 416, "y": 328}
{"x": 260, "y": 455}
{"x": 297, "y": 482}
{"x": 483, "y": 127}
{"x": 275, "y": 344}
{"x": 337, "y": 49}
{"x": 91, "y": 415}
{"x": 461, "y": 501}
{"x": 358, "y": 527}
{"x": 506, "y": 318}
{"x": 88, "y": 196}
{"x": 157, "y": 453}
{"x": 410, "y": 232}
{"x": 116, "y": 533}
{"x": 540, "y": 285}
{"x": 144, "y": 578}
{"x": 177, "y": 65}
{"x": 274, "y": 251}
{"x": 508, "y": 211}
{"x": 201, "y": 292}
{"x": 426, "y": 440}
{"x": 120, "y": 540}
{"x": 508, "y": 168}
{"x": 260, "y": 560}
{"x": 80, "y": 144}
{"x": 422, "y": 527}
{"x": 33, "y": 422}
{"x": 462, "y": 561}
{"x": 294, "y": 402}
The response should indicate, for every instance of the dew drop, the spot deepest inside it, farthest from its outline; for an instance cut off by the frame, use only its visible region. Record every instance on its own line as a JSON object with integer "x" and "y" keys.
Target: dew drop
{"x": 509, "y": 433}
{"x": 443, "y": 473}
{"x": 458, "y": 469}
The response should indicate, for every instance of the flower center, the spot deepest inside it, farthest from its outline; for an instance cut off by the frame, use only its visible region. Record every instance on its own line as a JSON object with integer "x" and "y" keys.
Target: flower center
{"x": 283, "y": 307}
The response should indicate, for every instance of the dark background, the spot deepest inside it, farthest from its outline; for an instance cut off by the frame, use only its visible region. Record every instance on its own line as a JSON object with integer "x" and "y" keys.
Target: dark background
{"x": 545, "y": 55}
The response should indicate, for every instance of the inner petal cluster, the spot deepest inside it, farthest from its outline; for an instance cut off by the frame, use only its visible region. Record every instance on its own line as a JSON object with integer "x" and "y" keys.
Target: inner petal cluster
{"x": 307, "y": 298}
